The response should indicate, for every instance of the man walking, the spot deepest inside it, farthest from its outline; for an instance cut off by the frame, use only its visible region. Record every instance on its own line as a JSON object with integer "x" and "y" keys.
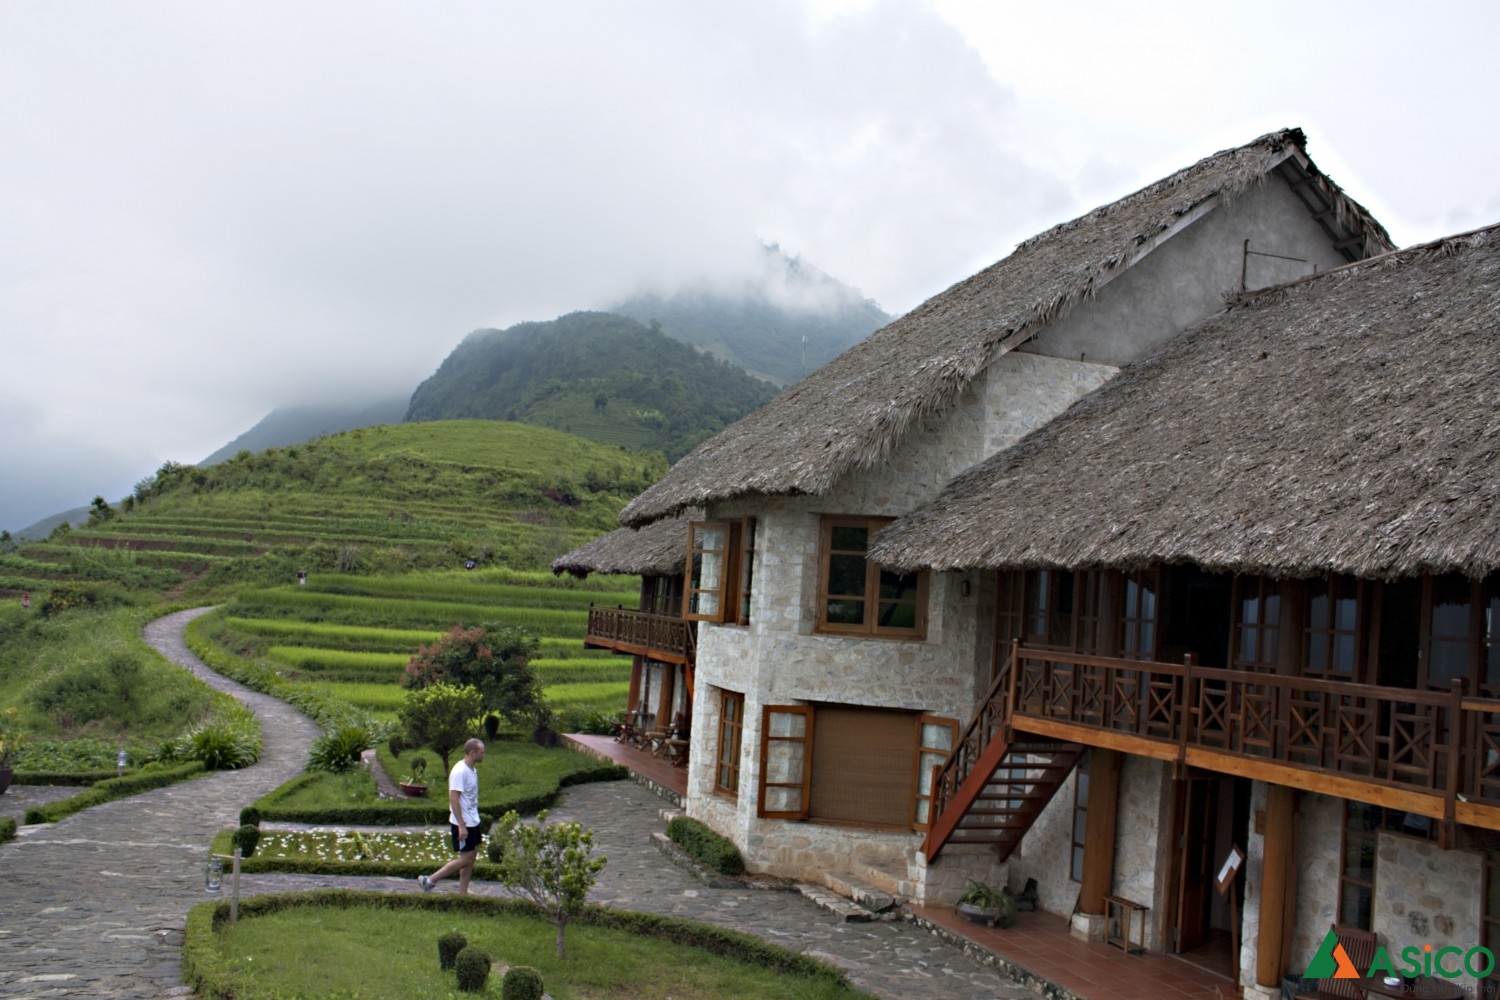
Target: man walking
{"x": 463, "y": 819}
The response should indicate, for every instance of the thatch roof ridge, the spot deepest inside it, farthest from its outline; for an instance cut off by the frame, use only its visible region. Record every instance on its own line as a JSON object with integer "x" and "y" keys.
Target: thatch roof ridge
{"x": 1338, "y": 423}
{"x": 855, "y": 411}
{"x": 659, "y": 549}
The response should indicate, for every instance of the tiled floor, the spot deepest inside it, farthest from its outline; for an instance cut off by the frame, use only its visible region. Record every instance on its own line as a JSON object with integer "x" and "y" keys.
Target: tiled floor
{"x": 1040, "y": 944}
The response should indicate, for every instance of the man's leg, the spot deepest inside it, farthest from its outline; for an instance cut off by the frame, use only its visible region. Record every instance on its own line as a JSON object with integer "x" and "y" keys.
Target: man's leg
{"x": 466, "y": 868}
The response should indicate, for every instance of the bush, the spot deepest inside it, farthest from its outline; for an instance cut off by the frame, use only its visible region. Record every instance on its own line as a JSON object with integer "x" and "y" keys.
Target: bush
{"x": 718, "y": 852}
{"x": 231, "y": 740}
{"x": 245, "y": 838}
{"x": 473, "y": 968}
{"x": 521, "y": 982}
{"x": 7, "y": 828}
{"x": 339, "y": 749}
{"x": 449, "y": 945}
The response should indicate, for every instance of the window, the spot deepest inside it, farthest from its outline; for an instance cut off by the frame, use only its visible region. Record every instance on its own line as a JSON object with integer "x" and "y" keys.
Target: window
{"x": 1139, "y": 615}
{"x": 731, "y": 728}
{"x": 1080, "y": 819}
{"x": 935, "y": 740}
{"x": 856, "y": 596}
{"x": 720, "y": 563}
{"x": 1331, "y": 643}
{"x": 851, "y": 765}
{"x": 1257, "y": 624}
{"x": 1357, "y": 868}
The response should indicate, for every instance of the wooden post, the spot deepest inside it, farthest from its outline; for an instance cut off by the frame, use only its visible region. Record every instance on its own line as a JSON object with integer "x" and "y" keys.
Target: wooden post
{"x": 1099, "y": 835}
{"x": 234, "y": 889}
{"x": 1280, "y": 853}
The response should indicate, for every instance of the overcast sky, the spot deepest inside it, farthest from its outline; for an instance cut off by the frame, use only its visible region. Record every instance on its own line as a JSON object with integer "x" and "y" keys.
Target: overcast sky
{"x": 209, "y": 209}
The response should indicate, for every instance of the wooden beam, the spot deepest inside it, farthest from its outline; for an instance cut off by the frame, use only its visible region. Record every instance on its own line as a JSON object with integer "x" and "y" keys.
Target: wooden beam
{"x": 1277, "y": 863}
{"x": 1141, "y": 746}
{"x": 1358, "y": 789}
{"x": 1099, "y": 835}
{"x": 1474, "y": 814}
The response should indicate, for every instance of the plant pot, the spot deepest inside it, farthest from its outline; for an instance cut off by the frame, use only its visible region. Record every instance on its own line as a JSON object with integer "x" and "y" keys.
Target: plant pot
{"x": 545, "y": 736}
{"x": 415, "y": 791}
{"x": 979, "y": 914}
{"x": 6, "y": 773}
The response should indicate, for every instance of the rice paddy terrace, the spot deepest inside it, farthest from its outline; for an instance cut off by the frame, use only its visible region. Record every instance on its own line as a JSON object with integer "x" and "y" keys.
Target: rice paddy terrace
{"x": 383, "y": 521}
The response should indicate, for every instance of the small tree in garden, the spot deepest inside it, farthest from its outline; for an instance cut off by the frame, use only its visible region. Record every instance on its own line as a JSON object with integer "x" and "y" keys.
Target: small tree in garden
{"x": 495, "y": 660}
{"x": 552, "y": 865}
{"x": 440, "y": 717}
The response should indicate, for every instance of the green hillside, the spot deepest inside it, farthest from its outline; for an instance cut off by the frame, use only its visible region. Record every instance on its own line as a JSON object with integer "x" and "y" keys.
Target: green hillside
{"x": 383, "y": 520}
{"x": 598, "y": 375}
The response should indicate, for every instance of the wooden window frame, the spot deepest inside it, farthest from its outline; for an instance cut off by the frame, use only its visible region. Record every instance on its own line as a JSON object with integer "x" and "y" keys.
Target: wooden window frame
{"x": 1080, "y": 813}
{"x": 1340, "y": 917}
{"x": 923, "y": 759}
{"x": 869, "y": 626}
{"x": 731, "y": 593}
{"x": 804, "y": 741}
{"x": 1131, "y": 625}
{"x": 1267, "y": 632}
{"x": 1339, "y": 587}
{"x": 731, "y": 744}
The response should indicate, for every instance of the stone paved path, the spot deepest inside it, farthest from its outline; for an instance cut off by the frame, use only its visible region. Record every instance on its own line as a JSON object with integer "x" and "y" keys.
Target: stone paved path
{"x": 94, "y": 905}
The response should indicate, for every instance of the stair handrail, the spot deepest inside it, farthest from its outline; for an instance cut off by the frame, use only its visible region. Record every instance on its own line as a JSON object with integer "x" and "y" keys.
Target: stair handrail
{"x": 991, "y": 717}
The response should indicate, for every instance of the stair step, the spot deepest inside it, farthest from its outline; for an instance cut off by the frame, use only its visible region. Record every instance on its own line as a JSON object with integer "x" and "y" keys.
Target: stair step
{"x": 846, "y": 910}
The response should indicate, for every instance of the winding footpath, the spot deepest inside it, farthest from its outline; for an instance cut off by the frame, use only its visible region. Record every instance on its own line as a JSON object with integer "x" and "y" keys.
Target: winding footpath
{"x": 94, "y": 905}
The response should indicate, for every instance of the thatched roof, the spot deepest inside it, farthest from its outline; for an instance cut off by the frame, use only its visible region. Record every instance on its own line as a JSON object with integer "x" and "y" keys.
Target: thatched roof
{"x": 854, "y": 412}
{"x": 1348, "y": 423}
{"x": 658, "y": 549}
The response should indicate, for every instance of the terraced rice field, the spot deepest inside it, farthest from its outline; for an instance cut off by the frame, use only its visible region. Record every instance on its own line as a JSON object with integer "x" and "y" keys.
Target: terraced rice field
{"x": 352, "y": 636}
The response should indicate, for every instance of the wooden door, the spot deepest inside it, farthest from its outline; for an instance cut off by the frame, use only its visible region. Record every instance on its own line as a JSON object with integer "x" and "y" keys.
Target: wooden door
{"x": 1199, "y": 801}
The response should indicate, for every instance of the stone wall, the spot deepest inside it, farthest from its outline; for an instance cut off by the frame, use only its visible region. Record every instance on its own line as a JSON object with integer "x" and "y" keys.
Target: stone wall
{"x": 1142, "y": 840}
{"x": 1426, "y": 895}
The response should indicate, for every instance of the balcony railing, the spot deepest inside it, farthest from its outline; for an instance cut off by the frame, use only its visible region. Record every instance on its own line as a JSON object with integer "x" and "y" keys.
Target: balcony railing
{"x": 660, "y": 637}
{"x": 1436, "y": 753}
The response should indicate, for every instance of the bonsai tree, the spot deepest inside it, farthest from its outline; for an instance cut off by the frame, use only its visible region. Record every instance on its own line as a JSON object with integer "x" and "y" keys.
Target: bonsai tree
{"x": 552, "y": 865}
{"x": 440, "y": 717}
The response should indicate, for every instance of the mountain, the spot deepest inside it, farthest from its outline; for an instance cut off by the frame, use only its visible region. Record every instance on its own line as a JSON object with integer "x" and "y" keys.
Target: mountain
{"x": 597, "y": 375}
{"x": 295, "y": 424}
{"x": 779, "y": 325}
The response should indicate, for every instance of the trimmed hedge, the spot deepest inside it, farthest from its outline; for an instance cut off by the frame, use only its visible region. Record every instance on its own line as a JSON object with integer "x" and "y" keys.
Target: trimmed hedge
{"x": 414, "y": 812}
{"x": 204, "y": 970}
{"x": 143, "y": 780}
{"x": 7, "y": 828}
{"x": 67, "y": 778}
{"x": 263, "y": 864}
{"x": 718, "y": 852}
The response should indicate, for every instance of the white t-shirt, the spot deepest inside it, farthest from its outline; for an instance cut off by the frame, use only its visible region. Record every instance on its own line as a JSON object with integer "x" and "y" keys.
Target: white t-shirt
{"x": 464, "y": 780}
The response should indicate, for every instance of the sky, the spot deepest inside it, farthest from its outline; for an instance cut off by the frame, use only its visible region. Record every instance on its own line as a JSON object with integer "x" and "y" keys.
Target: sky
{"x": 209, "y": 209}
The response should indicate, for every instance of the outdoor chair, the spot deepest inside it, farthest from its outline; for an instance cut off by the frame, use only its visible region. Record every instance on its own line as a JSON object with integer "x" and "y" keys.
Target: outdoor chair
{"x": 1360, "y": 947}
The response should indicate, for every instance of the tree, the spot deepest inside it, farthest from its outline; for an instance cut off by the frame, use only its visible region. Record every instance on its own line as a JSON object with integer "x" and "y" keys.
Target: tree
{"x": 495, "y": 660}
{"x": 101, "y": 511}
{"x": 552, "y": 865}
{"x": 441, "y": 717}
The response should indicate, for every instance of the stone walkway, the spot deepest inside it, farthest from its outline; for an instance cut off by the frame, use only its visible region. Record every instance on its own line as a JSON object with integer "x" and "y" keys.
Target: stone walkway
{"x": 95, "y": 904}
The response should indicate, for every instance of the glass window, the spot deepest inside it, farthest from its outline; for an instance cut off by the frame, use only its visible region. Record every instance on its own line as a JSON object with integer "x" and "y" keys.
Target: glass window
{"x": 856, "y": 595}
{"x": 731, "y": 728}
{"x": 935, "y": 741}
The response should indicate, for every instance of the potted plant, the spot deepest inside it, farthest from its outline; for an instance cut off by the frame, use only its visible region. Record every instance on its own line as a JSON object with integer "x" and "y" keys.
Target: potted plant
{"x": 415, "y": 783}
{"x": 11, "y": 740}
{"x": 984, "y": 904}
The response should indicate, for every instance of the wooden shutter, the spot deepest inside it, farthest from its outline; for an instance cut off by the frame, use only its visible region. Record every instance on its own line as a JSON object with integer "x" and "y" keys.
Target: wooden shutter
{"x": 862, "y": 766}
{"x": 785, "y": 761}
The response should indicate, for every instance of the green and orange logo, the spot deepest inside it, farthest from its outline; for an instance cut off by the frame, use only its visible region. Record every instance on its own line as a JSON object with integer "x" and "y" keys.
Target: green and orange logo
{"x": 1333, "y": 962}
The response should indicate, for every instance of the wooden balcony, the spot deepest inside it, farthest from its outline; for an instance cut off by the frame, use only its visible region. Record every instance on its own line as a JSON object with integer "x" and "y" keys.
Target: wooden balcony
{"x": 641, "y": 633}
{"x": 1433, "y": 753}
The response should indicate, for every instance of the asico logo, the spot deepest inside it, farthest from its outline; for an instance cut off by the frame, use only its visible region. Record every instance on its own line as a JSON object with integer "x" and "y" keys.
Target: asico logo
{"x": 1333, "y": 962}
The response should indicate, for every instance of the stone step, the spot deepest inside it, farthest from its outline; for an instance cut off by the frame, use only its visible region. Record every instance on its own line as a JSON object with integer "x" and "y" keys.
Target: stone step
{"x": 844, "y": 909}
{"x": 862, "y": 894}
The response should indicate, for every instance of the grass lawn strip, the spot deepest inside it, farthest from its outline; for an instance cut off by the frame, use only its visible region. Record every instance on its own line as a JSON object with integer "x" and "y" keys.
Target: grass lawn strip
{"x": 374, "y": 945}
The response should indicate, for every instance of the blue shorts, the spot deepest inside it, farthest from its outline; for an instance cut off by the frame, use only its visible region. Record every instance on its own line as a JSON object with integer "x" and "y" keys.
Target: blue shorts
{"x": 470, "y": 843}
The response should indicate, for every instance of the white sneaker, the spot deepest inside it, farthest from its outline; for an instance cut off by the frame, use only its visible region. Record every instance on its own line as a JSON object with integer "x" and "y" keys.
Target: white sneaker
{"x": 425, "y": 883}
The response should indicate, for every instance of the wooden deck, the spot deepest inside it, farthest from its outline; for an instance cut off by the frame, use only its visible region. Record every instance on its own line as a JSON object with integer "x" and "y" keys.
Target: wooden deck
{"x": 647, "y": 769}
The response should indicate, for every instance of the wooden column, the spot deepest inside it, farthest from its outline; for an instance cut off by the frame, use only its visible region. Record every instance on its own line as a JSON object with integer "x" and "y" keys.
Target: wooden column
{"x": 1277, "y": 869}
{"x": 1099, "y": 834}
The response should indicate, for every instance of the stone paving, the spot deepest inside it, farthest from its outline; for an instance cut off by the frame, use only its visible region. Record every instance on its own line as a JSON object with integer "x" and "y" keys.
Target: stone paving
{"x": 95, "y": 904}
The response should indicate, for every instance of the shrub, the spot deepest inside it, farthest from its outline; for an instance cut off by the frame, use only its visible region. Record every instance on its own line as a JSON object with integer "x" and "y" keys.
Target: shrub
{"x": 229, "y": 741}
{"x": 250, "y": 816}
{"x": 339, "y": 749}
{"x": 473, "y": 968}
{"x": 521, "y": 982}
{"x": 396, "y": 744}
{"x": 718, "y": 852}
{"x": 7, "y": 828}
{"x": 551, "y": 865}
{"x": 449, "y": 945}
{"x": 245, "y": 838}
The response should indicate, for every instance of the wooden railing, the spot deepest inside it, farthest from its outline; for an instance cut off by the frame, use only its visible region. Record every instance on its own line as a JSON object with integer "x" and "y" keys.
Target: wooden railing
{"x": 661, "y": 637}
{"x": 1434, "y": 742}
{"x": 974, "y": 740}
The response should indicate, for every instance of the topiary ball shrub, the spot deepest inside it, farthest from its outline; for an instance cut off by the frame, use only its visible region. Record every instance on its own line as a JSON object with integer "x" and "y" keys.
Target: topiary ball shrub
{"x": 449, "y": 945}
{"x": 521, "y": 982}
{"x": 245, "y": 838}
{"x": 473, "y": 967}
{"x": 7, "y": 828}
{"x": 249, "y": 816}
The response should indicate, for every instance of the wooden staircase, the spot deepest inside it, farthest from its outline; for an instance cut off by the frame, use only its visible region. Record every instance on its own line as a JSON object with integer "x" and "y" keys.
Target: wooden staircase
{"x": 991, "y": 789}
